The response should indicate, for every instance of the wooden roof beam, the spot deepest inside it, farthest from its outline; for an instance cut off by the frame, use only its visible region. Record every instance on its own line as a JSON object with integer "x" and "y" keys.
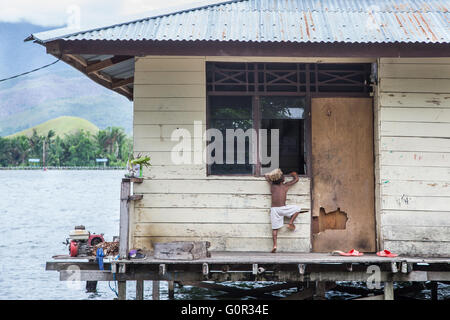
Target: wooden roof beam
{"x": 97, "y": 66}
{"x": 103, "y": 76}
{"x": 122, "y": 82}
{"x": 127, "y": 92}
{"x": 101, "y": 79}
{"x": 78, "y": 59}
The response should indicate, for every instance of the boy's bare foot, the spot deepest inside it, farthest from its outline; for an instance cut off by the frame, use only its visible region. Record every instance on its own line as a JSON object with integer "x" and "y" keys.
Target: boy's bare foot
{"x": 291, "y": 226}
{"x": 274, "y": 250}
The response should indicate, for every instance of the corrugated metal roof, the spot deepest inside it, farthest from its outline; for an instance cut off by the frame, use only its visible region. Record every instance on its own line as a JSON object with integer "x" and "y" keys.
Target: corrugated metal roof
{"x": 358, "y": 21}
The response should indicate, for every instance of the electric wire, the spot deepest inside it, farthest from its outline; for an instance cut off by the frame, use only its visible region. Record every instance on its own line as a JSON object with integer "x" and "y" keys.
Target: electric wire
{"x": 28, "y": 72}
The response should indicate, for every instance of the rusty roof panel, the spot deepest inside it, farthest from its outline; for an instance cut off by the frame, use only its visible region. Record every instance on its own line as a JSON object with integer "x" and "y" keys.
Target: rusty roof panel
{"x": 351, "y": 21}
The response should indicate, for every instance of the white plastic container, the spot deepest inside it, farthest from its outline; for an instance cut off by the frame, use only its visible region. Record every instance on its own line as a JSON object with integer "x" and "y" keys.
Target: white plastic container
{"x": 78, "y": 234}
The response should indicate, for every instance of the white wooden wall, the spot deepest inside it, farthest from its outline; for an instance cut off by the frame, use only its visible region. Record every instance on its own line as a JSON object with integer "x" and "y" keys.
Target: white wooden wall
{"x": 413, "y": 155}
{"x": 180, "y": 201}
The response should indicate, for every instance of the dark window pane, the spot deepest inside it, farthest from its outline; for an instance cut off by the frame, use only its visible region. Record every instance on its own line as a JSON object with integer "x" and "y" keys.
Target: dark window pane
{"x": 287, "y": 115}
{"x": 231, "y": 113}
{"x": 282, "y": 108}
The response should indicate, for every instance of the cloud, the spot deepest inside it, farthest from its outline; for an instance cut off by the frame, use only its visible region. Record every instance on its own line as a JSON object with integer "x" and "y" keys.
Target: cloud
{"x": 87, "y": 13}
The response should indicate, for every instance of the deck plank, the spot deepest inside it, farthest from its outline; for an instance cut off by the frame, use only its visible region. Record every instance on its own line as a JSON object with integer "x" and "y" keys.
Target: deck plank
{"x": 288, "y": 258}
{"x": 281, "y": 258}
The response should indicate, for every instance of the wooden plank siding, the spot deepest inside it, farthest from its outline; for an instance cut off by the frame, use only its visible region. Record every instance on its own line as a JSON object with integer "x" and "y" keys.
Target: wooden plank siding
{"x": 182, "y": 203}
{"x": 412, "y": 151}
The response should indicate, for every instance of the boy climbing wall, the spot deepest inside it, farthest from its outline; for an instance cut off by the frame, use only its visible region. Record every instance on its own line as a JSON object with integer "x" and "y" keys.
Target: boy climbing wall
{"x": 279, "y": 209}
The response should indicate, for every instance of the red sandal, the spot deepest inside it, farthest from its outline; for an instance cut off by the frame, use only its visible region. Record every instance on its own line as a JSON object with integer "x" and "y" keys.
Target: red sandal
{"x": 386, "y": 253}
{"x": 353, "y": 252}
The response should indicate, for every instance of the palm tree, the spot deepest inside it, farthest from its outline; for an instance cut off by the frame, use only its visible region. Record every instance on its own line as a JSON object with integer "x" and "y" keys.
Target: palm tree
{"x": 111, "y": 139}
{"x": 19, "y": 149}
{"x": 103, "y": 142}
{"x": 50, "y": 135}
{"x": 47, "y": 142}
{"x": 35, "y": 143}
{"x": 116, "y": 138}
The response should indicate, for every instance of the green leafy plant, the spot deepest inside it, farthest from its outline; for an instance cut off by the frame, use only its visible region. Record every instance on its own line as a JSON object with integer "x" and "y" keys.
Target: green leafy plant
{"x": 143, "y": 161}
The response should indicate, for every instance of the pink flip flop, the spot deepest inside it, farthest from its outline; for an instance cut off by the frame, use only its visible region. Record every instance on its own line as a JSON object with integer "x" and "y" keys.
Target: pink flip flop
{"x": 386, "y": 253}
{"x": 353, "y": 252}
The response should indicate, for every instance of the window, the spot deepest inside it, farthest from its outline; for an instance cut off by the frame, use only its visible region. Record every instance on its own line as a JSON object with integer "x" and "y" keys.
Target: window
{"x": 228, "y": 114}
{"x": 287, "y": 114}
{"x": 231, "y": 113}
{"x": 271, "y": 100}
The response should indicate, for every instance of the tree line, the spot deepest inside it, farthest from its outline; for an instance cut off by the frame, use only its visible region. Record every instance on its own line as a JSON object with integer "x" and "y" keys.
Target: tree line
{"x": 78, "y": 149}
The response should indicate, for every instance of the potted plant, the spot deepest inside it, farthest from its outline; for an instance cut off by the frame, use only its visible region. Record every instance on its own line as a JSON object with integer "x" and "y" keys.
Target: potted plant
{"x": 135, "y": 165}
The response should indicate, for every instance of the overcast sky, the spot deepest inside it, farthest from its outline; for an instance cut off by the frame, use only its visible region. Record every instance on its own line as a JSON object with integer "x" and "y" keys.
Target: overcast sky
{"x": 91, "y": 12}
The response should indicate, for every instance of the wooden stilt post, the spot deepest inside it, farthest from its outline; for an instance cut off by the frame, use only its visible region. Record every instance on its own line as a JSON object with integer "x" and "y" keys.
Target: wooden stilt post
{"x": 171, "y": 286}
{"x": 122, "y": 286}
{"x": 155, "y": 290}
{"x": 123, "y": 232}
{"x": 434, "y": 290}
{"x": 124, "y": 217}
{"x": 389, "y": 290}
{"x": 320, "y": 289}
{"x": 139, "y": 289}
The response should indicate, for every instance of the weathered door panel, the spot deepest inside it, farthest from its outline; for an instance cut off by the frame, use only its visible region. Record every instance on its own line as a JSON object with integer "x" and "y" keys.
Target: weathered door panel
{"x": 342, "y": 174}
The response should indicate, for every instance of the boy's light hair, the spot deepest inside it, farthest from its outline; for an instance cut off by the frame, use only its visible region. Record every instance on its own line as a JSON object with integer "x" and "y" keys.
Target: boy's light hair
{"x": 275, "y": 175}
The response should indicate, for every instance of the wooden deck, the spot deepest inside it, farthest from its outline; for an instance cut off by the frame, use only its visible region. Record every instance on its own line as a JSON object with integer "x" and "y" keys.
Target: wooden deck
{"x": 291, "y": 268}
{"x": 257, "y": 266}
{"x": 288, "y": 258}
{"x": 270, "y": 258}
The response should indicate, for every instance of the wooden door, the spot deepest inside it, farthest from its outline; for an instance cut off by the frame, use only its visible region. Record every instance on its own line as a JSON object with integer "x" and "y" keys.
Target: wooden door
{"x": 343, "y": 214}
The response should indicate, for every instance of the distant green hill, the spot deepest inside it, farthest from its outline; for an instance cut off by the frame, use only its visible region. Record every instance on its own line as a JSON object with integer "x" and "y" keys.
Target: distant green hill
{"x": 56, "y": 91}
{"x": 61, "y": 126}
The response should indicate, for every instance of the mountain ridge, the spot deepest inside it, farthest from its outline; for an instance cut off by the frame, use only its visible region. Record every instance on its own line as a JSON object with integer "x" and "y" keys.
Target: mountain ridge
{"x": 58, "y": 90}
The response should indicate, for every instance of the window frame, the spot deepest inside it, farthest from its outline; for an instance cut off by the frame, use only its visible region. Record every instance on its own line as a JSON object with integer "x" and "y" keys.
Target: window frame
{"x": 256, "y": 118}
{"x": 308, "y": 94}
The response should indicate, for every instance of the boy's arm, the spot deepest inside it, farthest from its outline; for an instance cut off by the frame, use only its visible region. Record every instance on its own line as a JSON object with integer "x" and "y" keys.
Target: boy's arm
{"x": 267, "y": 179}
{"x": 294, "y": 181}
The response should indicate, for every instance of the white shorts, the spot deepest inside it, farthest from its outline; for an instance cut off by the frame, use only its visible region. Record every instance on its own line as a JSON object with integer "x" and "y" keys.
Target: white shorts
{"x": 278, "y": 213}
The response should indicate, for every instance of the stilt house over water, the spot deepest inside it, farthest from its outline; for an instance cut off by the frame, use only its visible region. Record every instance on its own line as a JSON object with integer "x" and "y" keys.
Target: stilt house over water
{"x": 360, "y": 93}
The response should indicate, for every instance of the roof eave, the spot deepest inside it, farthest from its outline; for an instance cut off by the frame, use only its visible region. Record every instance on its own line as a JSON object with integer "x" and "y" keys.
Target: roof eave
{"x": 119, "y": 86}
{"x": 237, "y": 48}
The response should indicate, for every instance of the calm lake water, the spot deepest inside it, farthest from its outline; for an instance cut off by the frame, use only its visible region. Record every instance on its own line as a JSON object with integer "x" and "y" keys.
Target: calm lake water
{"x": 38, "y": 210}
